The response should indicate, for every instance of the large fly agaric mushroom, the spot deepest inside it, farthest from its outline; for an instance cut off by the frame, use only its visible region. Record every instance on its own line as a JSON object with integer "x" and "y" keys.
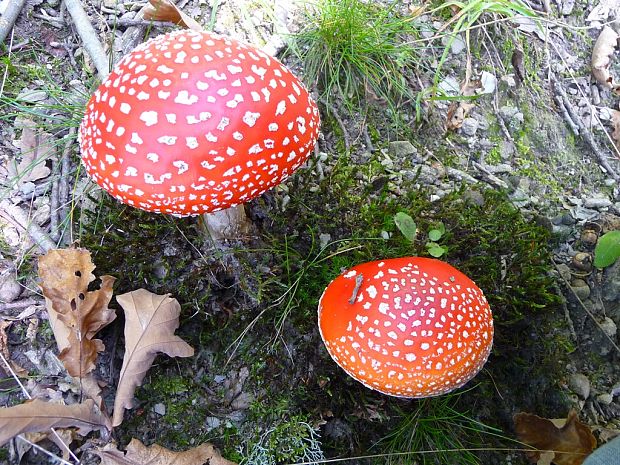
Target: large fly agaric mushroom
{"x": 408, "y": 327}
{"x": 193, "y": 122}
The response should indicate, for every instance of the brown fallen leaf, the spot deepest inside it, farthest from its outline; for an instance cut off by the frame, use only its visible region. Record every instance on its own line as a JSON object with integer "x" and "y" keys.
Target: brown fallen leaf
{"x": 150, "y": 323}
{"x": 35, "y": 147}
{"x": 139, "y": 454}
{"x": 165, "y": 10}
{"x": 615, "y": 120}
{"x": 572, "y": 442}
{"x": 76, "y": 314}
{"x": 37, "y": 416}
{"x": 601, "y": 58}
{"x": 458, "y": 111}
{"x": 63, "y": 437}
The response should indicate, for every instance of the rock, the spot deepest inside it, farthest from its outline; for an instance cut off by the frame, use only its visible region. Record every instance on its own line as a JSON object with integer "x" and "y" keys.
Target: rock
{"x": 458, "y": 45}
{"x": 469, "y": 127}
{"x": 583, "y": 214}
{"x": 324, "y": 239}
{"x": 597, "y": 202}
{"x": 605, "y": 399}
{"x": 10, "y": 289}
{"x": 212, "y": 423}
{"x": 609, "y": 327}
{"x": 489, "y": 82}
{"x": 450, "y": 86}
{"x": 473, "y": 197}
{"x": 507, "y": 112}
{"x": 159, "y": 409}
{"x": 31, "y": 96}
{"x": 564, "y": 271}
{"x": 402, "y": 149}
{"x": 580, "y": 385}
{"x": 611, "y": 283}
{"x": 581, "y": 289}
{"x": 567, "y": 7}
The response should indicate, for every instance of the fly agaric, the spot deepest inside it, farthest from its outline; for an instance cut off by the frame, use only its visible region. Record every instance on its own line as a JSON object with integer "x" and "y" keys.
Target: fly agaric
{"x": 194, "y": 122}
{"x": 407, "y": 327}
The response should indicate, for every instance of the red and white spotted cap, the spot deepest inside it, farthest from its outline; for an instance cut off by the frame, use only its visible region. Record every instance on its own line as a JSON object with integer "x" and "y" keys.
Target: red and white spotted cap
{"x": 407, "y": 327}
{"x": 193, "y": 122}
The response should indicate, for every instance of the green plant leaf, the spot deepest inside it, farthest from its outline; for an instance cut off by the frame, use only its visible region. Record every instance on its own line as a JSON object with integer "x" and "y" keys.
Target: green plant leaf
{"x": 607, "y": 249}
{"x": 435, "y": 234}
{"x": 405, "y": 225}
{"x": 435, "y": 250}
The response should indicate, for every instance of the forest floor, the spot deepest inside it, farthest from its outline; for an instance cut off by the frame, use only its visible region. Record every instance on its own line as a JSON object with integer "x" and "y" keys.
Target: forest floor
{"x": 522, "y": 181}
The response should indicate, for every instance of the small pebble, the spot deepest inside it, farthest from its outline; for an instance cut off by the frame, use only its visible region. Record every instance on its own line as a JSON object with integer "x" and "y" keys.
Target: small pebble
{"x": 605, "y": 399}
{"x": 469, "y": 127}
{"x": 580, "y": 385}
{"x": 159, "y": 409}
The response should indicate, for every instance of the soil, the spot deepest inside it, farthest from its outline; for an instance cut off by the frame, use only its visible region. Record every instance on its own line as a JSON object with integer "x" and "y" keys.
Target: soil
{"x": 522, "y": 196}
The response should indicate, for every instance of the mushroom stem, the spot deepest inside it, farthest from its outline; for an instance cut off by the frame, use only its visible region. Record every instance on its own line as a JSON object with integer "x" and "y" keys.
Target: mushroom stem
{"x": 226, "y": 225}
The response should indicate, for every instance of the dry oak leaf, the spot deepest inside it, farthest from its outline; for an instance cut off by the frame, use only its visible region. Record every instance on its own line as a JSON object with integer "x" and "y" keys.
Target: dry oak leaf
{"x": 458, "y": 111}
{"x": 150, "y": 323}
{"x": 75, "y": 314}
{"x": 36, "y": 147}
{"x": 165, "y": 10}
{"x": 601, "y": 58}
{"x": 615, "y": 120}
{"x": 37, "y": 416}
{"x": 571, "y": 440}
{"x": 139, "y": 454}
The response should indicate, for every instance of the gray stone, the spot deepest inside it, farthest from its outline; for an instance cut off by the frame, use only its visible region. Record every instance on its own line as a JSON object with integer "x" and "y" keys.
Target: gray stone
{"x": 159, "y": 409}
{"x": 402, "y": 149}
{"x": 580, "y": 385}
{"x": 567, "y": 7}
{"x": 609, "y": 327}
{"x": 458, "y": 45}
{"x": 489, "y": 82}
{"x": 31, "y": 96}
{"x": 582, "y": 213}
{"x": 450, "y": 86}
{"x": 10, "y": 289}
{"x": 564, "y": 271}
{"x": 212, "y": 423}
{"x": 597, "y": 202}
{"x": 581, "y": 289}
{"x": 605, "y": 399}
{"x": 507, "y": 112}
{"x": 324, "y": 239}
{"x": 611, "y": 283}
{"x": 469, "y": 127}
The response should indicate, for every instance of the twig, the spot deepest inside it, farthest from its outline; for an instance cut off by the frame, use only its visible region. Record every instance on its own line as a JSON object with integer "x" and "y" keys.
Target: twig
{"x": 89, "y": 37}
{"x": 54, "y": 208}
{"x": 7, "y": 20}
{"x": 120, "y": 22}
{"x": 19, "y": 304}
{"x": 343, "y": 128}
{"x": 63, "y": 183}
{"x": 6, "y": 68}
{"x": 51, "y": 20}
{"x": 18, "y": 217}
{"x": 587, "y": 136}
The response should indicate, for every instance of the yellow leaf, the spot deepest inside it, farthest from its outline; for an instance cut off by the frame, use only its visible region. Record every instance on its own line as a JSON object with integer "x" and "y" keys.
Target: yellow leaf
{"x": 150, "y": 323}
{"x": 572, "y": 442}
{"x": 76, "y": 314}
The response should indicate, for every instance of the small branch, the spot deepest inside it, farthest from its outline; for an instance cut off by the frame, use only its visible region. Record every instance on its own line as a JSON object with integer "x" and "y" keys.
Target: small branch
{"x": 120, "y": 22}
{"x": 343, "y": 128}
{"x": 8, "y": 18}
{"x": 54, "y": 208}
{"x": 583, "y": 131}
{"x": 18, "y": 217}
{"x": 20, "y": 304}
{"x": 63, "y": 182}
{"x": 89, "y": 37}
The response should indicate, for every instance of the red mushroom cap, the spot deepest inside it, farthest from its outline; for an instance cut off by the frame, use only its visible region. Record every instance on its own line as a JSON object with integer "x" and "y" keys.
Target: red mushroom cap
{"x": 193, "y": 122}
{"x": 407, "y": 327}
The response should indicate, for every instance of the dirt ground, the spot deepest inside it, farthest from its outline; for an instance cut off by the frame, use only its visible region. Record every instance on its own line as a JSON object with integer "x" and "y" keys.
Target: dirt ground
{"x": 525, "y": 183}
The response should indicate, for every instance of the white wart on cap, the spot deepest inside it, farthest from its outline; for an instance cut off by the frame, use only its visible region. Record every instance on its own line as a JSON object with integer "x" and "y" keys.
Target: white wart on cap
{"x": 407, "y": 327}
{"x": 193, "y": 122}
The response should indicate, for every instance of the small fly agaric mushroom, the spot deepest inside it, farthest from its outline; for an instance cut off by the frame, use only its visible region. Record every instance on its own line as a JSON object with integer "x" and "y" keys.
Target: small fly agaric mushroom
{"x": 407, "y": 327}
{"x": 193, "y": 122}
